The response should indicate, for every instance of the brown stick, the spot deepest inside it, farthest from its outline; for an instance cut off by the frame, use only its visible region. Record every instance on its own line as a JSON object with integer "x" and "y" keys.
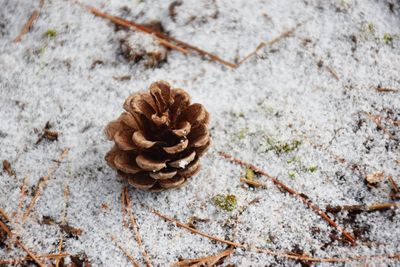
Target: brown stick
{"x": 367, "y": 208}
{"x": 305, "y": 200}
{"x": 42, "y": 183}
{"x": 385, "y": 90}
{"x": 172, "y": 46}
{"x": 5, "y": 228}
{"x": 166, "y": 39}
{"x": 204, "y": 261}
{"x": 22, "y": 197}
{"x": 267, "y": 251}
{"x": 4, "y": 214}
{"x": 28, "y": 25}
{"x": 127, "y": 254}
{"x": 394, "y": 185}
{"x": 332, "y": 72}
{"x": 179, "y": 45}
{"x": 377, "y": 120}
{"x": 136, "y": 227}
{"x": 187, "y": 227}
{"x": 63, "y": 221}
{"x": 27, "y": 258}
{"x": 33, "y": 256}
{"x": 269, "y": 43}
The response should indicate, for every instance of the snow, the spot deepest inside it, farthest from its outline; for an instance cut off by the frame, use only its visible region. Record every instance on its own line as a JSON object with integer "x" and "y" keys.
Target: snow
{"x": 281, "y": 94}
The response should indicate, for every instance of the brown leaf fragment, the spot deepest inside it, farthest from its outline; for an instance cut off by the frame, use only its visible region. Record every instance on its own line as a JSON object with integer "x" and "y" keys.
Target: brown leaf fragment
{"x": 50, "y": 135}
{"x": 122, "y": 78}
{"x": 80, "y": 260}
{"x": 7, "y": 168}
{"x": 374, "y": 178}
{"x": 71, "y": 230}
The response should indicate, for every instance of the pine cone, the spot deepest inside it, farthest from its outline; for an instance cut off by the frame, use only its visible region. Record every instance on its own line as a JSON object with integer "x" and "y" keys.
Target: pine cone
{"x": 159, "y": 139}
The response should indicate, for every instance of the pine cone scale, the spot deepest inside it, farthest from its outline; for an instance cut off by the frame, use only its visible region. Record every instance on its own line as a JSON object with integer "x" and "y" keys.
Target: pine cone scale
{"x": 163, "y": 175}
{"x": 140, "y": 140}
{"x": 181, "y": 146}
{"x": 149, "y": 164}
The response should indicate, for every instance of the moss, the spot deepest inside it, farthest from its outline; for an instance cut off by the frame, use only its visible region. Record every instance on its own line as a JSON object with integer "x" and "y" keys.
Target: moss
{"x": 50, "y": 33}
{"x": 292, "y": 174}
{"x": 294, "y": 159}
{"x": 370, "y": 28}
{"x": 226, "y": 202}
{"x": 282, "y": 147}
{"x": 250, "y": 174}
{"x": 312, "y": 168}
{"x": 387, "y": 38}
{"x": 242, "y": 134}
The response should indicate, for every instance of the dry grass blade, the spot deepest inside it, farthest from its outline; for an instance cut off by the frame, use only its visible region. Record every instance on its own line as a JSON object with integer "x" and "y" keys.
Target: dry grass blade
{"x": 127, "y": 254}
{"x": 183, "y": 47}
{"x": 269, "y": 43}
{"x": 164, "y": 39}
{"x": 135, "y": 226}
{"x": 4, "y": 214}
{"x": 172, "y": 46}
{"x": 17, "y": 241}
{"x": 180, "y": 224}
{"x": 28, "y": 258}
{"x": 204, "y": 261}
{"x": 123, "y": 207}
{"x": 63, "y": 221}
{"x": 22, "y": 197}
{"x": 368, "y": 208}
{"x": 42, "y": 183}
{"x": 385, "y": 90}
{"x": 302, "y": 197}
{"x": 270, "y": 252}
{"x": 393, "y": 184}
{"x": 28, "y": 25}
{"x": 333, "y": 72}
{"x": 378, "y": 121}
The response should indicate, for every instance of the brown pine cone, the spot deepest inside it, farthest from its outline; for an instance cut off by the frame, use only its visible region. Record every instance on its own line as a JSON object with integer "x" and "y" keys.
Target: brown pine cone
{"x": 159, "y": 139}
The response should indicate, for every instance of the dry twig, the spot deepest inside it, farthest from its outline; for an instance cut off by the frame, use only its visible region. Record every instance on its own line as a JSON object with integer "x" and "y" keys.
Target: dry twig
{"x": 28, "y": 25}
{"x": 123, "y": 207}
{"x": 23, "y": 190}
{"x": 28, "y": 258}
{"x": 42, "y": 183}
{"x": 17, "y": 240}
{"x": 4, "y": 214}
{"x": 164, "y": 39}
{"x": 271, "y": 252}
{"x": 204, "y": 261}
{"x": 269, "y": 43}
{"x": 7, "y": 168}
{"x": 385, "y": 90}
{"x": 130, "y": 257}
{"x": 377, "y": 120}
{"x": 393, "y": 184}
{"x": 63, "y": 221}
{"x": 368, "y": 208}
{"x": 251, "y": 182}
{"x": 302, "y": 197}
{"x": 183, "y": 47}
{"x": 128, "y": 206}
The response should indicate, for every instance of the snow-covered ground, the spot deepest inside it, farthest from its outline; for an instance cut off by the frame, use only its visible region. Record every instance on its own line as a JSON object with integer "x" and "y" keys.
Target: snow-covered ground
{"x": 304, "y": 109}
